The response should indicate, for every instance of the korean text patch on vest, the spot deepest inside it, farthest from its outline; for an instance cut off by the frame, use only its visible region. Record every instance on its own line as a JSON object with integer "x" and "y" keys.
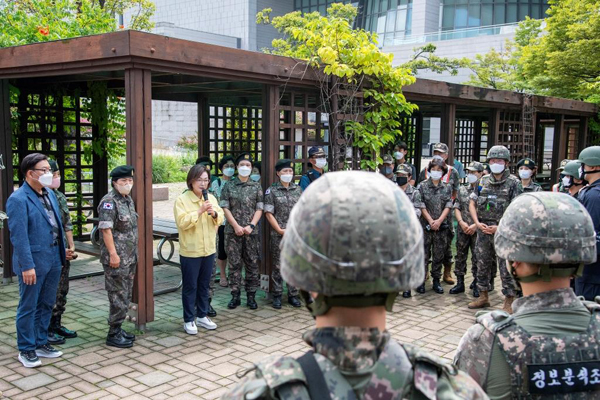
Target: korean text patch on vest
{"x": 107, "y": 206}
{"x": 551, "y": 379}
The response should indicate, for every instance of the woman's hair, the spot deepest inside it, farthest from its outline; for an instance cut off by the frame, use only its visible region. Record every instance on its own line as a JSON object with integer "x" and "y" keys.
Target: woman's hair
{"x": 437, "y": 163}
{"x": 195, "y": 173}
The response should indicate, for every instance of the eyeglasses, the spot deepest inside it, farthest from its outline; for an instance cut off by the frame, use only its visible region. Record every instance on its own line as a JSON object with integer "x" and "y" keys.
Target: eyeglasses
{"x": 44, "y": 170}
{"x": 202, "y": 180}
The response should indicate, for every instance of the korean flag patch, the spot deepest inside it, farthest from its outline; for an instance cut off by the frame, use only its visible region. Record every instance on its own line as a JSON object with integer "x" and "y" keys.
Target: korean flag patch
{"x": 268, "y": 191}
{"x": 107, "y": 206}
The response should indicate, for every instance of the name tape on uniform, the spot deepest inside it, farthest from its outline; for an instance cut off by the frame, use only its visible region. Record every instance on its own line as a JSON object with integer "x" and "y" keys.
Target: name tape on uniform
{"x": 550, "y": 379}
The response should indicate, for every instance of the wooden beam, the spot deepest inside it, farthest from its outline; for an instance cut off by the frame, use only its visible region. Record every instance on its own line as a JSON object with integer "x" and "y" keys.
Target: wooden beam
{"x": 582, "y": 134}
{"x": 6, "y": 176}
{"x": 551, "y": 104}
{"x": 559, "y": 145}
{"x": 203, "y": 132}
{"x": 418, "y": 144}
{"x": 138, "y": 94}
{"x": 448, "y": 129}
{"x": 493, "y": 128}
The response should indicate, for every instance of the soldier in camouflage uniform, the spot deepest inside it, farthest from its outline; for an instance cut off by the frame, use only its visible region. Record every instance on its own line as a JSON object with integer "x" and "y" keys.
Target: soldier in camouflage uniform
{"x": 558, "y": 187}
{"x": 242, "y": 202}
{"x": 119, "y": 251}
{"x": 550, "y": 347}
{"x": 467, "y": 231}
{"x": 527, "y": 170}
{"x": 434, "y": 198}
{"x": 571, "y": 179}
{"x": 387, "y": 169}
{"x": 403, "y": 179}
{"x": 353, "y": 355}
{"x": 280, "y": 198}
{"x": 56, "y": 332}
{"x": 496, "y": 191}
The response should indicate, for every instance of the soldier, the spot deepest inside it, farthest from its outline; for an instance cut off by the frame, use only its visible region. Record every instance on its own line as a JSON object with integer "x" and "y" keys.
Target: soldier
{"x": 119, "y": 251}
{"x": 558, "y": 187}
{"x": 440, "y": 151}
{"x": 318, "y": 160}
{"x": 400, "y": 153}
{"x": 206, "y": 160}
{"x": 256, "y": 171}
{"x": 354, "y": 276}
{"x": 56, "y": 332}
{"x": 280, "y": 198}
{"x": 496, "y": 191}
{"x": 403, "y": 179}
{"x": 387, "y": 169}
{"x": 467, "y": 231}
{"x": 434, "y": 198}
{"x": 242, "y": 202}
{"x": 527, "y": 170}
{"x": 588, "y": 285}
{"x": 570, "y": 180}
{"x": 550, "y": 347}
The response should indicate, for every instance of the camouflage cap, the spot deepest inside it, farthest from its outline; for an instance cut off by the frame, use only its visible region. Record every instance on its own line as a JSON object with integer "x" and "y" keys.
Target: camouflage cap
{"x": 475, "y": 166}
{"x": 441, "y": 147}
{"x": 387, "y": 159}
{"x": 500, "y": 152}
{"x": 546, "y": 228}
{"x": 590, "y": 156}
{"x": 336, "y": 244}
{"x": 562, "y": 165}
{"x": 404, "y": 169}
{"x": 572, "y": 169}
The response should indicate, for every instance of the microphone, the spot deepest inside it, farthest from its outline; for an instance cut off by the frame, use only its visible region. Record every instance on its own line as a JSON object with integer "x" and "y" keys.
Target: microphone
{"x": 205, "y": 195}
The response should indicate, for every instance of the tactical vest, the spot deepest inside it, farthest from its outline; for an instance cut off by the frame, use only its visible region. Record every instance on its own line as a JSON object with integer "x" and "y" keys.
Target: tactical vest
{"x": 549, "y": 367}
{"x": 493, "y": 199}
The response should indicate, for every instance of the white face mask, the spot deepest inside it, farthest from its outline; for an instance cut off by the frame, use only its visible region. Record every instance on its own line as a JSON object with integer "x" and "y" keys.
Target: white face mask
{"x": 321, "y": 163}
{"x": 255, "y": 177}
{"x": 436, "y": 175}
{"x": 496, "y": 168}
{"x": 472, "y": 178}
{"x": 287, "y": 178}
{"x": 566, "y": 181}
{"x": 46, "y": 179}
{"x": 399, "y": 155}
{"x": 124, "y": 189}
{"x": 244, "y": 171}
{"x": 228, "y": 172}
{"x": 524, "y": 173}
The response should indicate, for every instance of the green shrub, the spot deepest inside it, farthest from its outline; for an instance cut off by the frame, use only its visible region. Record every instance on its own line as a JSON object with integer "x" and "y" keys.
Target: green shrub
{"x": 167, "y": 169}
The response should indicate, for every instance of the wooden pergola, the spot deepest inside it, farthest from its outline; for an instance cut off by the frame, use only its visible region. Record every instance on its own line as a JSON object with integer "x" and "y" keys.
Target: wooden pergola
{"x": 247, "y": 101}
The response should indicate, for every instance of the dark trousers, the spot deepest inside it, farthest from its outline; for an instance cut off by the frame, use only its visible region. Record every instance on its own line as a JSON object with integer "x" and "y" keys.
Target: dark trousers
{"x": 35, "y": 309}
{"x": 196, "y": 274}
{"x": 61, "y": 293}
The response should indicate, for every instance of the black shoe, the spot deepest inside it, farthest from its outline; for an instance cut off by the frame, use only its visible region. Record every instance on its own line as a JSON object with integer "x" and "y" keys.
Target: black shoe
{"x": 406, "y": 294}
{"x": 277, "y": 302}
{"x": 250, "y": 302}
{"x": 235, "y": 301}
{"x": 55, "y": 339}
{"x": 127, "y": 335}
{"x": 437, "y": 287}
{"x": 460, "y": 285}
{"x": 211, "y": 311}
{"x": 472, "y": 284}
{"x": 491, "y": 284}
{"x": 117, "y": 340}
{"x": 421, "y": 289}
{"x": 475, "y": 291}
{"x": 64, "y": 332}
{"x": 294, "y": 301}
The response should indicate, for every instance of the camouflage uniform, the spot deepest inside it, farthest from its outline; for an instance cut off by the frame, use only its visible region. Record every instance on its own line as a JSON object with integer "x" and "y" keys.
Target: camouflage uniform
{"x": 242, "y": 200}
{"x": 532, "y": 187}
{"x": 279, "y": 201}
{"x": 491, "y": 202}
{"x": 63, "y": 284}
{"x": 465, "y": 242}
{"x": 117, "y": 212}
{"x": 435, "y": 199}
{"x": 216, "y": 187}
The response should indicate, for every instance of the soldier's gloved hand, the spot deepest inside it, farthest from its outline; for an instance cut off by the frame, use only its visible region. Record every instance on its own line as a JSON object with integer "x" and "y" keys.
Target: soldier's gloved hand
{"x": 115, "y": 260}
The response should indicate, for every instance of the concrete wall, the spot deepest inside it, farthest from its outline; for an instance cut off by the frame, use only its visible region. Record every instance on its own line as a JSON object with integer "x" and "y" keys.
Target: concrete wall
{"x": 425, "y": 16}
{"x": 171, "y": 120}
{"x": 171, "y": 30}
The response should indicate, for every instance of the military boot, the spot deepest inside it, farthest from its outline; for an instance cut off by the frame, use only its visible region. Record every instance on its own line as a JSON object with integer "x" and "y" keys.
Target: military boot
{"x": 421, "y": 289}
{"x": 250, "y": 301}
{"x": 54, "y": 338}
{"x": 448, "y": 274}
{"x": 475, "y": 288}
{"x": 460, "y": 285}
{"x": 235, "y": 300}
{"x": 57, "y": 328}
{"x": 277, "y": 301}
{"x": 407, "y": 294}
{"x": 437, "y": 287}
{"x": 211, "y": 311}
{"x": 492, "y": 283}
{"x": 507, "y": 306}
{"x": 294, "y": 301}
{"x": 115, "y": 338}
{"x": 482, "y": 302}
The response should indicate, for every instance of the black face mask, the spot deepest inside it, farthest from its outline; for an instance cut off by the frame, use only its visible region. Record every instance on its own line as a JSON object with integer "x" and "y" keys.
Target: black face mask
{"x": 401, "y": 180}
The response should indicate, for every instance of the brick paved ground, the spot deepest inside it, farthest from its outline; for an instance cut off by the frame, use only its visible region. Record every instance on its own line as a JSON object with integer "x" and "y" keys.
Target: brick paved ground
{"x": 166, "y": 363}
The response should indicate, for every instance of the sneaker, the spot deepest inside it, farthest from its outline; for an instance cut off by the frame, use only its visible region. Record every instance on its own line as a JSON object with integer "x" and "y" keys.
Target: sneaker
{"x": 190, "y": 328}
{"x": 48, "y": 351}
{"x": 206, "y": 323}
{"x": 29, "y": 359}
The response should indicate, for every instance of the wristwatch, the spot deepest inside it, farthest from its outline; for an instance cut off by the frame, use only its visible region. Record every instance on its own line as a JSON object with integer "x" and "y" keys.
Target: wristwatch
{"x": 252, "y": 226}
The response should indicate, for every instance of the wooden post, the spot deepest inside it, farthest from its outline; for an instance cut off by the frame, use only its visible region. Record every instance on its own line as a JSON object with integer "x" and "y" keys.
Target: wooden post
{"x": 559, "y": 145}
{"x": 6, "y": 176}
{"x": 583, "y": 134}
{"x": 493, "y": 128}
{"x": 138, "y": 94}
{"x": 448, "y": 129}
{"x": 478, "y": 128}
{"x": 418, "y": 154}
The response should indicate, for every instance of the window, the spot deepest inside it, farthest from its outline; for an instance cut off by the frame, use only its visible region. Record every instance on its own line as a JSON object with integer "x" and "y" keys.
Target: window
{"x": 390, "y": 19}
{"x": 307, "y": 6}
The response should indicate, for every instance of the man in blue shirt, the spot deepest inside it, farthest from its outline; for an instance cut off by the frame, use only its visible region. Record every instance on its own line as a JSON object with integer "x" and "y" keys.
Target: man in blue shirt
{"x": 588, "y": 285}
{"x": 318, "y": 160}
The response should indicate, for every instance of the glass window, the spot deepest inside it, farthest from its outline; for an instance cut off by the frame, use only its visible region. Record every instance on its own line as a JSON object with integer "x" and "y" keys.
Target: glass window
{"x": 511, "y": 13}
{"x": 499, "y": 14}
{"x": 475, "y": 15}
{"x": 460, "y": 17}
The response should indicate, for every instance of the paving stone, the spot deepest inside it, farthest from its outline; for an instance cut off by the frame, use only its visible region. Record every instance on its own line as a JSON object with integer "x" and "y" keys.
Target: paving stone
{"x": 33, "y": 381}
{"x": 155, "y": 378}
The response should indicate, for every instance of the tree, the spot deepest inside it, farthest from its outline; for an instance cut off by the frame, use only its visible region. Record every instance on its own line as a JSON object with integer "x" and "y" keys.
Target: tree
{"x": 330, "y": 44}
{"x": 424, "y": 58}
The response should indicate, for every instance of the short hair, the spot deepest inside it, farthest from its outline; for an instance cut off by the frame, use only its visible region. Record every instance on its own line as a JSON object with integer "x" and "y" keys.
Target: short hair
{"x": 402, "y": 145}
{"x": 225, "y": 160}
{"x": 196, "y": 172}
{"x": 437, "y": 163}
{"x": 30, "y": 161}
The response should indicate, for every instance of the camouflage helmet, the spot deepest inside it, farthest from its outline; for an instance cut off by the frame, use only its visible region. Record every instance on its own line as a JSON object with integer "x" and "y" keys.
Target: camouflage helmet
{"x": 353, "y": 233}
{"x": 404, "y": 169}
{"x": 500, "y": 152}
{"x": 388, "y": 159}
{"x": 475, "y": 166}
{"x": 546, "y": 228}
{"x": 562, "y": 164}
{"x": 590, "y": 156}
{"x": 441, "y": 147}
{"x": 572, "y": 169}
